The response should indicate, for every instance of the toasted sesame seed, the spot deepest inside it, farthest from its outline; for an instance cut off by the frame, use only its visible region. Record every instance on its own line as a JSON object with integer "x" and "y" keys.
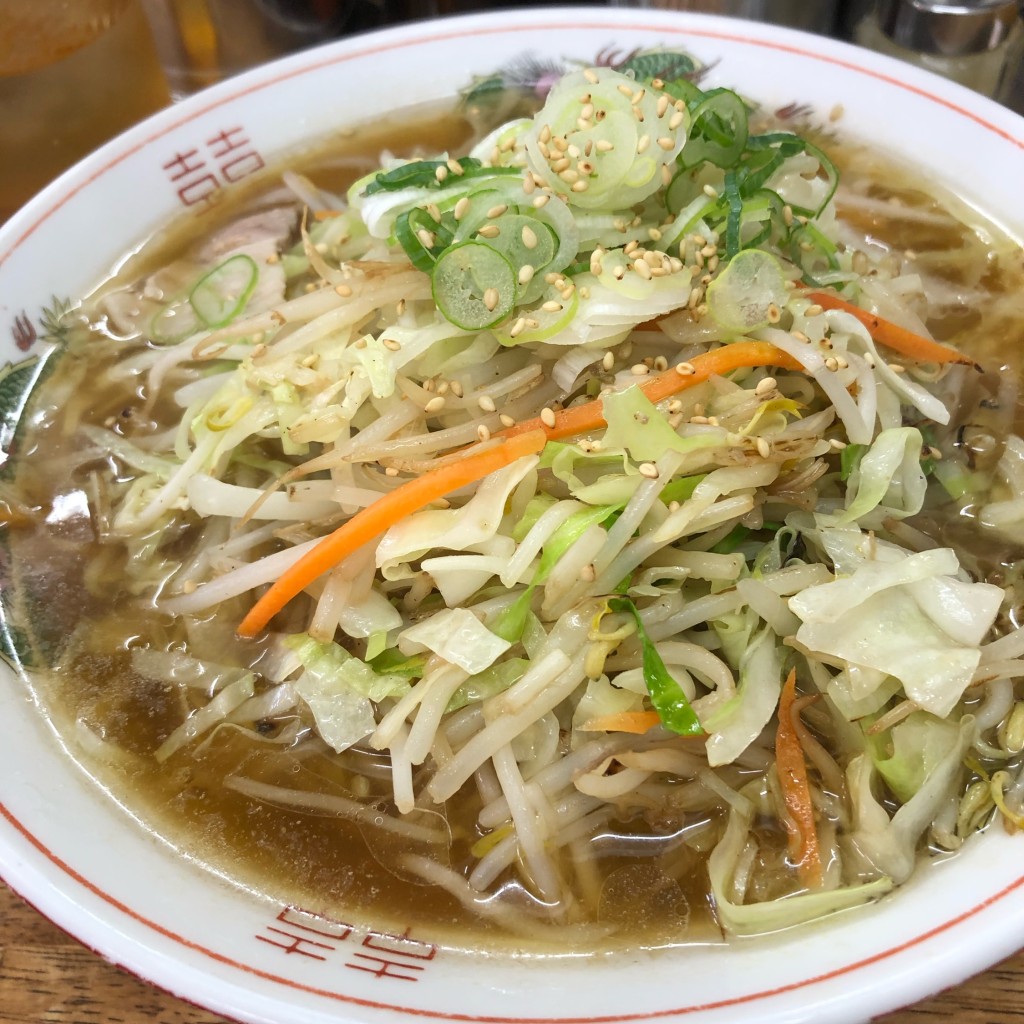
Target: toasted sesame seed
{"x": 836, "y": 444}
{"x": 526, "y": 272}
{"x": 551, "y": 306}
{"x": 713, "y": 421}
{"x": 587, "y": 112}
{"x": 497, "y": 211}
{"x": 663, "y": 104}
{"x": 649, "y": 470}
{"x": 604, "y": 146}
{"x": 529, "y": 238}
{"x": 483, "y": 433}
{"x": 491, "y": 298}
{"x": 639, "y": 370}
{"x": 429, "y": 384}
{"x": 588, "y": 573}
{"x": 570, "y": 176}
{"x": 426, "y": 237}
{"x": 441, "y": 173}
{"x": 455, "y": 167}
{"x": 436, "y": 404}
{"x": 685, "y": 369}
{"x": 390, "y": 471}
{"x": 392, "y": 344}
{"x": 813, "y": 310}
{"x": 787, "y": 215}
{"x": 608, "y": 360}
{"x": 540, "y": 201}
{"x": 443, "y": 386}
{"x": 638, "y": 96}
{"x": 660, "y": 363}
{"x": 831, "y": 363}
{"x": 666, "y": 174}
{"x": 560, "y": 143}
{"x": 765, "y": 386}
{"x": 343, "y": 290}
{"x": 676, "y": 120}
{"x": 517, "y": 328}
{"x": 486, "y": 403}
{"x": 547, "y": 417}
{"x": 591, "y": 76}
{"x": 506, "y": 420}
{"x": 710, "y": 191}
{"x": 800, "y": 336}
{"x": 897, "y": 368}
{"x": 773, "y": 313}
{"x": 763, "y": 448}
{"x": 489, "y": 231}
{"x": 561, "y": 164}
{"x": 643, "y": 268}
{"x": 626, "y": 90}
{"x": 699, "y": 419}
{"x": 580, "y": 186}
{"x": 545, "y": 134}
{"x": 643, "y": 142}
{"x": 461, "y": 207}
{"x": 529, "y": 185}
{"x": 666, "y": 143}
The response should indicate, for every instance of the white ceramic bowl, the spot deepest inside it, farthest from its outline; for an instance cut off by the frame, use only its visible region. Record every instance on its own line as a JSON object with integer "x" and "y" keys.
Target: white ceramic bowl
{"x": 78, "y": 856}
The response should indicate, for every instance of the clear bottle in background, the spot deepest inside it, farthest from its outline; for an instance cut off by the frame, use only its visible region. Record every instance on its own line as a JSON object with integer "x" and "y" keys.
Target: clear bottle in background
{"x": 978, "y": 43}
{"x": 73, "y": 73}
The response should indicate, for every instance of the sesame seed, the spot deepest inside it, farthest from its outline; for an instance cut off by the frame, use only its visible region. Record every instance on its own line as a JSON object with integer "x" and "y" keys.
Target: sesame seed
{"x": 540, "y": 201}
{"x": 547, "y": 417}
{"x": 529, "y": 238}
{"x": 497, "y": 211}
{"x": 426, "y": 237}
{"x": 443, "y": 386}
{"x": 643, "y": 143}
{"x": 570, "y": 176}
{"x": 456, "y": 389}
{"x": 897, "y": 368}
{"x": 552, "y": 307}
{"x": 813, "y": 310}
{"x": 580, "y": 186}
{"x": 343, "y": 290}
{"x": 639, "y": 370}
{"x": 483, "y": 433}
{"x": 643, "y": 268}
{"x": 836, "y": 444}
{"x": 787, "y": 215}
{"x": 763, "y": 448}
{"x": 561, "y": 164}
{"x": 436, "y": 404}
{"x": 685, "y": 369}
{"x": 800, "y": 336}
{"x": 545, "y": 134}
{"x": 461, "y": 207}
{"x": 712, "y": 421}
{"x": 486, "y": 403}
{"x": 429, "y": 384}
{"x": 638, "y": 96}
{"x": 489, "y": 231}
{"x": 765, "y": 386}
{"x": 517, "y": 328}
{"x": 560, "y": 143}
{"x": 392, "y": 344}
{"x": 604, "y": 146}
{"x": 654, "y": 234}
{"x": 587, "y": 112}
{"x": 663, "y": 102}
{"x": 666, "y": 143}
{"x": 625, "y": 90}
{"x": 506, "y": 420}
{"x": 441, "y": 173}
{"x": 666, "y": 174}
{"x": 390, "y": 471}
{"x": 710, "y": 191}
{"x": 526, "y": 272}
{"x": 773, "y": 314}
{"x": 455, "y": 167}
{"x": 588, "y": 573}
{"x": 660, "y": 363}
{"x": 491, "y": 299}
{"x": 608, "y": 360}
{"x": 676, "y": 120}
{"x": 831, "y": 363}
{"x": 649, "y": 470}
{"x": 529, "y": 185}
{"x": 591, "y": 76}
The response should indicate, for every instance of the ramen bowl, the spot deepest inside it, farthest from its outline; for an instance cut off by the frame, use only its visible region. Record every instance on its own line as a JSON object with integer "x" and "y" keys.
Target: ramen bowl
{"x": 74, "y": 850}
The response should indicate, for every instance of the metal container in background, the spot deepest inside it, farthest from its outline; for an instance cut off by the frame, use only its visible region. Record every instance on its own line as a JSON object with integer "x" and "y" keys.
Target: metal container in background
{"x": 978, "y": 43}
{"x": 811, "y": 15}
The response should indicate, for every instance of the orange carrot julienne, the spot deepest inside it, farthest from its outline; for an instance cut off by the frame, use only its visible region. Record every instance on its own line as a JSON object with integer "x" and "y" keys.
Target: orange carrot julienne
{"x": 625, "y": 721}
{"x": 372, "y": 521}
{"x": 590, "y": 416}
{"x": 891, "y": 335}
{"x": 796, "y": 790}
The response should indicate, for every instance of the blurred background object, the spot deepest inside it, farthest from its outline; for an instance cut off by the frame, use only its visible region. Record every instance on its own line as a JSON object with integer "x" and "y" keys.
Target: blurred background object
{"x": 811, "y": 15}
{"x": 73, "y": 73}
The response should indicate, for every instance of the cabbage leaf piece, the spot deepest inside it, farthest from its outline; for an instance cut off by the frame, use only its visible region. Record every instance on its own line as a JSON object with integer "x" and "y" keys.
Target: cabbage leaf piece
{"x": 905, "y": 615}
{"x": 340, "y": 689}
{"x": 458, "y": 636}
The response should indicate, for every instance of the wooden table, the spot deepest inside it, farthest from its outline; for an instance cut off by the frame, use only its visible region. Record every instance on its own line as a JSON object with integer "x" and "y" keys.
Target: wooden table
{"x": 45, "y": 977}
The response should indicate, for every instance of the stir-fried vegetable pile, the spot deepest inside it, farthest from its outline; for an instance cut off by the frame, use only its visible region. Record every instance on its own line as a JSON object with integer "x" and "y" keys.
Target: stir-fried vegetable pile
{"x": 586, "y": 472}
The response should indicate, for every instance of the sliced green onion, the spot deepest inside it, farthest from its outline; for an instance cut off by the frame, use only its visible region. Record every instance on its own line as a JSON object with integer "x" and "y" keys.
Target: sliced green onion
{"x": 474, "y": 286}
{"x": 749, "y": 293}
{"x": 221, "y": 295}
{"x": 719, "y": 131}
{"x": 412, "y": 227}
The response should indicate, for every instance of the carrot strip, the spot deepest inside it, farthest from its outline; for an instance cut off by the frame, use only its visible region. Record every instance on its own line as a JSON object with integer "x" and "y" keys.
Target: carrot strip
{"x": 796, "y": 790}
{"x": 590, "y": 416}
{"x": 625, "y": 721}
{"x": 885, "y": 332}
{"x": 372, "y": 521}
